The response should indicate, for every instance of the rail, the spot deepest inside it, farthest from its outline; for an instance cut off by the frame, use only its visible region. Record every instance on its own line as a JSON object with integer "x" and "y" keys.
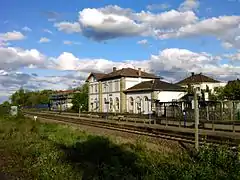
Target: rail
{"x": 158, "y": 131}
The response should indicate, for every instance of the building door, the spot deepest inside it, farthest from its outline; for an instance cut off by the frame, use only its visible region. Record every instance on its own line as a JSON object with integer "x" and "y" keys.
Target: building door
{"x": 146, "y": 105}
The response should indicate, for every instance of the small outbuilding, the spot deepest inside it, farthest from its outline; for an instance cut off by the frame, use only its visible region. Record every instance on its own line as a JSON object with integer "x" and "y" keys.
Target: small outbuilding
{"x": 142, "y": 97}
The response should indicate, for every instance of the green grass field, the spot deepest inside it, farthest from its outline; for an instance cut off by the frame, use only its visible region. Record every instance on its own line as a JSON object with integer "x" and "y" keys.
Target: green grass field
{"x": 34, "y": 150}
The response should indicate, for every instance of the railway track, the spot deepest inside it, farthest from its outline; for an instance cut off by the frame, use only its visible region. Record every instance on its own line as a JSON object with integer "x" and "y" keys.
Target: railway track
{"x": 186, "y": 136}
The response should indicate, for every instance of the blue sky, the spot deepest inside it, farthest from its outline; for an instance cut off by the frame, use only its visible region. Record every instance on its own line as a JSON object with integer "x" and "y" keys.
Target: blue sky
{"x": 55, "y": 44}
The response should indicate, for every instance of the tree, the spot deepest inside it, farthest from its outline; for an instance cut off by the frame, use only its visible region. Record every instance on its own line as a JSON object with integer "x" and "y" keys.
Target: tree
{"x": 81, "y": 99}
{"x": 230, "y": 92}
{"x": 19, "y": 97}
{"x": 6, "y": 104}
{"x": 217, "y": 95}
{"x": 28, "y": 98}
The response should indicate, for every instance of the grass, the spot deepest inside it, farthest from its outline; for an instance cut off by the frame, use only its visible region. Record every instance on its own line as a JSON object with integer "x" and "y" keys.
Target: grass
{"x": 34, "y": 150}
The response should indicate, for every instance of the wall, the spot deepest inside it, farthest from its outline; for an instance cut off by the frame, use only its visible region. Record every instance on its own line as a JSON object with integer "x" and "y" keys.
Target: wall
{"x": 130, "y": 82}
{"x": 202, "y": 86}
{"x": 118, "y": 86}
{"x": 93, "y": 106}
{"x": 106, "y": 107}
{"x": 168, "y": 96}
{"x": 93, "y": 95}
{"x": 112, "y": 85}
{"x": 145, "y": 106}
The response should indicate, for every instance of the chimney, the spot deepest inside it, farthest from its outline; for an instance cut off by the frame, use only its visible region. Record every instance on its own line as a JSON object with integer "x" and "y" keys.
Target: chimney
{"x": 192, "y": 73}
{"x": 114, "y": 69}
{"x": 139, "y": 72}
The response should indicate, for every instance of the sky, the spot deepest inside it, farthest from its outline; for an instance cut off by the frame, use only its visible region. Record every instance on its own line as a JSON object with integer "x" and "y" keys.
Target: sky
{"x": 56, "y": 44}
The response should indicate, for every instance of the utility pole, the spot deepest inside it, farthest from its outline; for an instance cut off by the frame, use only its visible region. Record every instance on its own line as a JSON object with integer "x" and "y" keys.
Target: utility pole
{"x": 196, "y": 116}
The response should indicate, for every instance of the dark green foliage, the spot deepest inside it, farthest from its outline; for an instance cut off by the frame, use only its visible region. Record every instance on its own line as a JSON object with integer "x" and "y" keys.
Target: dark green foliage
{"x": 34, "y": 150}
{"x": 230, "y": 92}
{"x": 28, "y": 98}
{"x": 4, "y": 108}
{"x": 81, "y": 99}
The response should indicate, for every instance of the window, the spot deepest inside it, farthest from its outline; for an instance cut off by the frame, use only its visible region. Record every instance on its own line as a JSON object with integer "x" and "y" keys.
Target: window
{"x": 96, "y": 103}
{"x": 131, "y": 105}
{"x": 131, "y": 101}
{"x": 116, "y": 86}
{"x": 111, "y": 103}
{"x": 105, "y": 87}
{"x": 138, "y": 104}
{"x": 91, "y": 89}
{"x": 110, "y": 87}
{"x": 117, "y": 104}
{"x": 95, "y": 87}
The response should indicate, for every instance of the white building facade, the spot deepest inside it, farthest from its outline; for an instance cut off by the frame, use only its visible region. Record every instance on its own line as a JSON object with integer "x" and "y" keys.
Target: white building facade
{"x": 201, "y": 83}
{"x": 120, "y": 91}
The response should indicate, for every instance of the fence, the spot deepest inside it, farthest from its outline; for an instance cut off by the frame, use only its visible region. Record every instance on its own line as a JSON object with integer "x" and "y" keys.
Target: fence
{"x": 208, "y": 110}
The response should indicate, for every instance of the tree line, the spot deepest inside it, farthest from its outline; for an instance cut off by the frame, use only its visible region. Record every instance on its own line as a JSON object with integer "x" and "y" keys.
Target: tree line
{"x": 27, "y": 98}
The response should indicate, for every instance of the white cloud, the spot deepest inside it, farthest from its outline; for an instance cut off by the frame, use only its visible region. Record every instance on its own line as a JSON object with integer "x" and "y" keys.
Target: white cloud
{"x": 47, "y": 31}
{"x": 67, "y": 61}
{"x": 103, "y": 24}
{"x": 227, "y": 45}
{"x": 68, "y": 27}
{"x": 66, "y": 42}
{"x": 143, "y": 42}
{"x": 12, "y": 81}
{"x": 172, "y": 64}
{"x": 44, "y": 40}
{"x": 189, "y": 5}
{"x": 163, "y": 6}
{"x": 182, "y": 59}
{"x": 167, "y": 20}
{"x": 233, "y": 57}
{"x": 15, "y": 58}
{"x": 175, "y": 63}
{"x": 26, "y": 29}
{"x": 113, "y": 22}
{"x": 225, "y": 28}
{"x": 99, "y": 25}
{"x": 11, "y": 36}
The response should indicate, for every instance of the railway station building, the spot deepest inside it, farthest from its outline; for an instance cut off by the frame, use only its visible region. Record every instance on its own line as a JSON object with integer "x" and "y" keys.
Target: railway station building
{"x": 129, "y": 90}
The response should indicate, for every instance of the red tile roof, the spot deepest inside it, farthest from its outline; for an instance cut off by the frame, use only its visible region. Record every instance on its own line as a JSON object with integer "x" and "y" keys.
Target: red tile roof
{"x": 128, "y": 72}
{"x": 197, "y": 78}
{"x": 98, "y": 76}
{"x": 155, "y": 85}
